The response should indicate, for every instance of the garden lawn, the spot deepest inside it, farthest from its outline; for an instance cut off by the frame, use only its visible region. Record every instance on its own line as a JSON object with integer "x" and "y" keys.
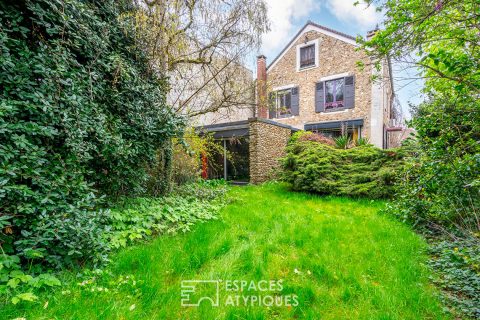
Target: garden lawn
{"x": 341, "y": 257}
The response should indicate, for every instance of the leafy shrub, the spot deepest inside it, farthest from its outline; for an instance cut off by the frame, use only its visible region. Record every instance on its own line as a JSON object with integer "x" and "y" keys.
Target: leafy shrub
{"x": 140, "y": 218}
{"x": 18, "y": 286}
{"x": 363, "y": 171}
{"x": 457, "y": 266}
{"x": 187, "y": 152}
{"x": 159, "y": 180}
{"x": 438, "y": 191}
{"x": 81, "y": 115}
{"x": 343, "y": 142}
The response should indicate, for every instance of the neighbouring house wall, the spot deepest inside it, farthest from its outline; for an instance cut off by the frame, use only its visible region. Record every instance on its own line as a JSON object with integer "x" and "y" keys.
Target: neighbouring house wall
{"x": 395, "y": 138}
{"x": 377, "y": 114}
{"x": 335, "y": 57}
{"x": 267, "y": 145}
{"x": 225, "y": 115}
{"x": 206, "y": 98}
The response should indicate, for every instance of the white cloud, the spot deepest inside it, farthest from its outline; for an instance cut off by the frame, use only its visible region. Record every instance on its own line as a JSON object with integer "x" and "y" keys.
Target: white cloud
{"x": 364, "y": 17}
{"x": 282, "y": 14}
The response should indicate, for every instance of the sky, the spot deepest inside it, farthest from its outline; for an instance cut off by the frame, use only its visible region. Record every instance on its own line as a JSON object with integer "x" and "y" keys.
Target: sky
{"x": 288, "y": 16}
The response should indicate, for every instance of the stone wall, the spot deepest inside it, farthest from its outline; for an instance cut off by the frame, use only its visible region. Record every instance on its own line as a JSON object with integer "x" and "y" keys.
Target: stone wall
{"x": 335, "y": 57}
{"x": 267, "y": 144}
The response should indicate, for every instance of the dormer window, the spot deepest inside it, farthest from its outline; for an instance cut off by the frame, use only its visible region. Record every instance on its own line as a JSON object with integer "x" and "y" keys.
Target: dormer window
{"x": 307, "y": 56}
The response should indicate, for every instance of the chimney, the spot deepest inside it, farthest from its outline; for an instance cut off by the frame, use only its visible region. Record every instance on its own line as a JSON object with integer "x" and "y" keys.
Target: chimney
{"x": 372, "y": 33}
{"x": 262, "y": 101}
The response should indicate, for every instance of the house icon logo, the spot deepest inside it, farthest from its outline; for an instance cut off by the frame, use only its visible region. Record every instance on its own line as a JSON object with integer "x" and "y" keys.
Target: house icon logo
{"x": 194, "y": 292}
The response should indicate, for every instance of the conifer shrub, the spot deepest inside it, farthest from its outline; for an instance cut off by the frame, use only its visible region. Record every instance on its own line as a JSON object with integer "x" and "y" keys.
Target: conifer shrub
{"x": 363, "y": 171}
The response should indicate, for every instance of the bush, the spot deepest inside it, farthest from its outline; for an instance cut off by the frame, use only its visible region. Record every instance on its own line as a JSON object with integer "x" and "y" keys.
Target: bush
{"x": 310, "y": 136}
{"x": 140, "y": 218}
{"x": 16, "y": 286}
{"x": 131, "y": 220}
{"x": 457, "y": 271}
{"x": 190, "y": 151}
{"x": 441, "y": 185}
{"x": 187, "y": 162}
{"x": 362, "y": 171}
{"x": 81, "y": 115}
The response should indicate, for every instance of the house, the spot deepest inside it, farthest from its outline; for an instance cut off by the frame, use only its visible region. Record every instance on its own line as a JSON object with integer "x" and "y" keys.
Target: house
{"x": 314, "y": 84}
{"x": 221, "y": 91}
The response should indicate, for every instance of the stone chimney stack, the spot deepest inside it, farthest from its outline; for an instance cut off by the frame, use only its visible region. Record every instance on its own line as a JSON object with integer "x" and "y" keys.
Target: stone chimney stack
{"x": 262, "y": 100}
{"x": 372, "y": 33}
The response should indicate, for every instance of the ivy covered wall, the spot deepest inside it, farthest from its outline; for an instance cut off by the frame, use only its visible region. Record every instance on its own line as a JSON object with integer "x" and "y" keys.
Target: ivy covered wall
{"x": 82, "y": 115}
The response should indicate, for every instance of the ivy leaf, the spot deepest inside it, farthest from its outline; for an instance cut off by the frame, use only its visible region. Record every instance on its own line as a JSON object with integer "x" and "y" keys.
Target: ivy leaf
{"x": 27, "y": 296}
{"x": 13, "y": 283}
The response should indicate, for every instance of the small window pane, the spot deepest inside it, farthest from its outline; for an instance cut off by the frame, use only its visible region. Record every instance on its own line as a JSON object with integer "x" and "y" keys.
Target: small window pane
{"x": 284, "y": 102}
{"x": 329, "y": 91}
{"x": 307, "y": 56}
{"x": 340, "y": 83}
{"x": 334, "y": 93}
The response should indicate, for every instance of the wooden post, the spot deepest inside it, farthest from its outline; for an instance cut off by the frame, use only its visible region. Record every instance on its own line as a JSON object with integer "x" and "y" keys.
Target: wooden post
{"x": 225, "y": 159}
{"x": 204, "y": 166}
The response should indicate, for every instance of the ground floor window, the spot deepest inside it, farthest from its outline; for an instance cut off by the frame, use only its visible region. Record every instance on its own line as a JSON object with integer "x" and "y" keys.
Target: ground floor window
{"x": 281, "y": 104}
{"x": 231, "y": 161}
{"x": 354, "y": 133}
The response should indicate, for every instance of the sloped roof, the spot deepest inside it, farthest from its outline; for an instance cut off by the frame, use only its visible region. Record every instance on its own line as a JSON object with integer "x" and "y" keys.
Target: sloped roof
{"x": 317, "y": 27}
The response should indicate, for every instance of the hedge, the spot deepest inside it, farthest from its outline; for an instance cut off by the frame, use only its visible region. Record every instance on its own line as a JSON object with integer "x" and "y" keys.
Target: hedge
{"x": 364, "y": 171}
{"x": 82, "y": 115}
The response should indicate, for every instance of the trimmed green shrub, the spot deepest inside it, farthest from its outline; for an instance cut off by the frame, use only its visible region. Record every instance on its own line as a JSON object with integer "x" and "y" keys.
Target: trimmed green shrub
{"x": 363, "y": 171}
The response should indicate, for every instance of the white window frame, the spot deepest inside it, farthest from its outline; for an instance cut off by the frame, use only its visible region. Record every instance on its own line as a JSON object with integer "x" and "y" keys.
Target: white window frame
{"x": 315, "y": 42}
{"x": 334, "y": 77}
{"x": 283, "y": 88}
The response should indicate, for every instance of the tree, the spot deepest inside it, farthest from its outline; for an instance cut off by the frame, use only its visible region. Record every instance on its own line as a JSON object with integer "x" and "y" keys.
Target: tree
{"x": 441, "y": 39}
{"x": 202, "y": 46}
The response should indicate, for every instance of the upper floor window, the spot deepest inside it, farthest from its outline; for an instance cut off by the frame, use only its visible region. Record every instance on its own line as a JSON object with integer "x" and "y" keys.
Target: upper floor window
{"x": 284, "y": 103}
{"x": 334, "y": 93}
{"x": 307, "y": 56}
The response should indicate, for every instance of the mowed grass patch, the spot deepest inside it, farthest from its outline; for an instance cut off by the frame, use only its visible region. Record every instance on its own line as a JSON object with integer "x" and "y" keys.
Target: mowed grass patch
{"x": 339, "y": 256}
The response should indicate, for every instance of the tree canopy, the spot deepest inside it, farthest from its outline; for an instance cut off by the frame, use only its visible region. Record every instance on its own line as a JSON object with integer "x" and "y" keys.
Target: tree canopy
{"x": 203, "y": 46}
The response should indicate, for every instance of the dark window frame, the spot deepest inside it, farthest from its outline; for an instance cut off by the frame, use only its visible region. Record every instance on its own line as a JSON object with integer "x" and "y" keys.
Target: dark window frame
{"x": 334, "y": 105}
{"x": 310, "y": 62}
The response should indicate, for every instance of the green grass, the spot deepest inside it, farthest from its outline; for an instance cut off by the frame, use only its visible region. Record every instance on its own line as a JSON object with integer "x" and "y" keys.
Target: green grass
{"x": 352, "y": 263}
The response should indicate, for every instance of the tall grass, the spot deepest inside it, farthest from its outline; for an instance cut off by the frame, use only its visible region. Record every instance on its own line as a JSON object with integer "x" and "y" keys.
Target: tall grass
{"x": 339, "y": 256}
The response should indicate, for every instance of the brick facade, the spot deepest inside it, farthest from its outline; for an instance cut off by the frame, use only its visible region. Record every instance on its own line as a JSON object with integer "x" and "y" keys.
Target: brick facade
{"x": 267, "y": 145}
